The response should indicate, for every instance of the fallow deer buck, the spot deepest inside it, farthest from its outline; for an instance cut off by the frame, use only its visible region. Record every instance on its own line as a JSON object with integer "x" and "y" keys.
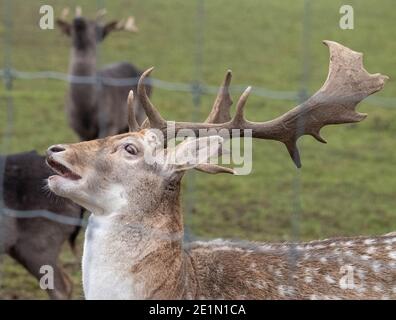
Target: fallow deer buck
{"x": 96, "y": 102}
{"x": 134, "y": 241}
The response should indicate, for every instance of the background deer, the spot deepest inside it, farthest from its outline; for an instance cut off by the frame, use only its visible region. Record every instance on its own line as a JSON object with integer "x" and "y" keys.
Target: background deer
{"x": 36, "y": 241}
{"x": 96, "y": 109}
{"x": 134, "y": 241}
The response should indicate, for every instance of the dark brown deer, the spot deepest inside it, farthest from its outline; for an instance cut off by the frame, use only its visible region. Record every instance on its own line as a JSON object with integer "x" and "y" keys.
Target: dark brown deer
{"x": 134, "y": 241}
{"x": 34, "y": 224}
{"x": 97, "y": 108}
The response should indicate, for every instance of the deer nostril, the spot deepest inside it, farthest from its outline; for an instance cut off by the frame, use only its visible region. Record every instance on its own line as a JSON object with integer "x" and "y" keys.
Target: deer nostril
{"x": 55, "y": 149}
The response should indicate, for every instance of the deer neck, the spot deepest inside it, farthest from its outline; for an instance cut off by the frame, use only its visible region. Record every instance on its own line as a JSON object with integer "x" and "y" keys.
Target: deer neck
{"x": 82, "y": 96}
{"x": 137, "y": 255}
{"x": 83, "y": 62}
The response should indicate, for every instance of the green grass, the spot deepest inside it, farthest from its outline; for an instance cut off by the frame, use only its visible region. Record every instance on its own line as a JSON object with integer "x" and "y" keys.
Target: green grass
{"x": 347, "y": 187}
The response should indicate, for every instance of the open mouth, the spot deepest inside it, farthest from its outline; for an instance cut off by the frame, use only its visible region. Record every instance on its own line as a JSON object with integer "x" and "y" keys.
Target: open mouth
{"x": 62, "y": 170}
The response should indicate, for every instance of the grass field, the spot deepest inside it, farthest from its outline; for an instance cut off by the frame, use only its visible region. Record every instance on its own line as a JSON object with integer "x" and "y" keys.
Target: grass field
{"x": 347, "y": 187}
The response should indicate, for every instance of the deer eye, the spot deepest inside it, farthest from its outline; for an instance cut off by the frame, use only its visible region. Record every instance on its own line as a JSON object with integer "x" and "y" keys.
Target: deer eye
{"x": 130, "y": 149}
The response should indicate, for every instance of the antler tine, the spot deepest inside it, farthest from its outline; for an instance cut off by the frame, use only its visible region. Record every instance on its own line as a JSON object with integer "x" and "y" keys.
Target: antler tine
{"x": 130, "y": 25}
{"x": 100, "y": 13}
{"x": 78, "y": 12}
{"x": 127, "y": 25}
{"x": 221, "y": 108}
{"x": 155, "y": 118}
{"x": 64, "y": 13}
{"x": 220, "y": 113}
{"x": 132, "y": 123}
{"x": 239, "y": 119}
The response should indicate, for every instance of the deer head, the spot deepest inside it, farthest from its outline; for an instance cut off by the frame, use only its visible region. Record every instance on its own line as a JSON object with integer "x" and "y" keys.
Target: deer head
{"x": 115, "y": 173}
{"x": 85, "y": 33}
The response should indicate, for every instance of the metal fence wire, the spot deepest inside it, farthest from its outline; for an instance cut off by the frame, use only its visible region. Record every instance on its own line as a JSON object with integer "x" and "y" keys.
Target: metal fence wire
{"x": 197, "y": 88}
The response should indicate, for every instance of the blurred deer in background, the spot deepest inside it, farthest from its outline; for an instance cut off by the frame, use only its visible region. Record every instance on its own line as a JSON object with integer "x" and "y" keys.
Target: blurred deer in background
{"x": 134, "y": 241}
{"x": 36, "y": 241}
{"x": 96, "y": 109}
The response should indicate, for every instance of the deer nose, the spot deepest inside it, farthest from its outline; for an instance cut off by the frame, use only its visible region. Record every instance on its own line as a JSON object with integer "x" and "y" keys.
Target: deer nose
{"x": 55, "y": 149}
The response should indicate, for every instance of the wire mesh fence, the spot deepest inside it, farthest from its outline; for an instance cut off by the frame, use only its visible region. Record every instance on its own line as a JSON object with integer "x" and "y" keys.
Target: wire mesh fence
{"x": 196, "y": 89}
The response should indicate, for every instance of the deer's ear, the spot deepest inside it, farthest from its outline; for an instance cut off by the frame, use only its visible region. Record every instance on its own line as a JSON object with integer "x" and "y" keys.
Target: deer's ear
{"x": 64, "y": 26}
{"x": 109, "y": 27}
{"x": 192, "y": 153}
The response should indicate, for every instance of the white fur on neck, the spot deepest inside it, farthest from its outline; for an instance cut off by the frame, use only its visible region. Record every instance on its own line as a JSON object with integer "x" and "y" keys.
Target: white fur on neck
{"x": 114, "y": 200}
{"x": 107, "y": 266}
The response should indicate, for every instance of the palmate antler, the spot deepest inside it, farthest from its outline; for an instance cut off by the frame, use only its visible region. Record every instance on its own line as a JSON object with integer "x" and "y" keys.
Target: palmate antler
{"x": 127, "y": 24}
{"x": 65, "y": 12}
{"x": 347, "y": 84}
